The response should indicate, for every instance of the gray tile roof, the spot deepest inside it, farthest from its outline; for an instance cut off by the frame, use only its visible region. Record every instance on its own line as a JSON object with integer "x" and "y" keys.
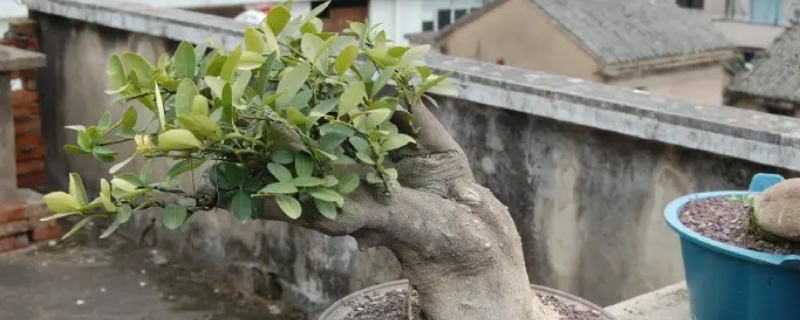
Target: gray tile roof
{"x": 620, "y": 31}
{"x": 775, "y": 75}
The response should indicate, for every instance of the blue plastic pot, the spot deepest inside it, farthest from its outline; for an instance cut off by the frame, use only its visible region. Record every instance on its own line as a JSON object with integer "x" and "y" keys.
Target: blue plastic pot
{"x": 731, "y": 283}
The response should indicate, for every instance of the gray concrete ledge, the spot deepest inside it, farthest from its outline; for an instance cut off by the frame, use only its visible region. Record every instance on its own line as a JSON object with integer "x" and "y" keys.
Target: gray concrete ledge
{"x": 17, "y": 59}
{"x": 668, "y": 303}
{"x": 749, "y": 135}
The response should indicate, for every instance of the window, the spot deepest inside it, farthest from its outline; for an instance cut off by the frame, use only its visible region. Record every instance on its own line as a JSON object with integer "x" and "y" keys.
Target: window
{"x": 460, "y": 13}
{"x": 427, "y": 26}
{"x": 766, "y": 11}
{"x": 444, "y": 18}
{"x": 691, "y": 4}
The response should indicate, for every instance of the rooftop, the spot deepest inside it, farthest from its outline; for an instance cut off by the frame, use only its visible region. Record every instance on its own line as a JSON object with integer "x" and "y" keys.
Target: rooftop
{"x": 624, "y": 31}
{"x": 775, "y": 76}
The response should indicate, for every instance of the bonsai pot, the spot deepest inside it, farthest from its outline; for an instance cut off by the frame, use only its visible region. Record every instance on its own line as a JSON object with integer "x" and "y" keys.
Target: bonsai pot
{"x": 727, "y": 282}
{"x": 372, "y": 297}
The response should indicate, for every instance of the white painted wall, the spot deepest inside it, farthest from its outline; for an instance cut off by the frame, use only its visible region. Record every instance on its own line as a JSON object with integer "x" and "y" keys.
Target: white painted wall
{"x": 397, "y": 17}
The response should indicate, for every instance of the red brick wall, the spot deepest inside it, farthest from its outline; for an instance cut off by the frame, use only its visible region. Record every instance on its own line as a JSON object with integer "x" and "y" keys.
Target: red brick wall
{"x": 339, "y": 17}
{"x": 30, "y": 155}
{"x": 20, "y": 225}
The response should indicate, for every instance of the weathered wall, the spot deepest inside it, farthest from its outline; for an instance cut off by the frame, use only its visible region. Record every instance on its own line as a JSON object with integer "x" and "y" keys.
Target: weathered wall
{"x": 701, "y": 84}
{"x": 585, "y": 168}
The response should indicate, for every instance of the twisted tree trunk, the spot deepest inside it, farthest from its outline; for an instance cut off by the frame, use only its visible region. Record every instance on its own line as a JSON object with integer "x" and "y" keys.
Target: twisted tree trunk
{"x": 456, "y": 242}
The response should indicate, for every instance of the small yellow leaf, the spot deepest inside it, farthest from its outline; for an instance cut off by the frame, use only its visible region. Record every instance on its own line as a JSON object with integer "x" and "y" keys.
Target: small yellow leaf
{"x": 60, "y": 202}
{"x": 178, "y": 139}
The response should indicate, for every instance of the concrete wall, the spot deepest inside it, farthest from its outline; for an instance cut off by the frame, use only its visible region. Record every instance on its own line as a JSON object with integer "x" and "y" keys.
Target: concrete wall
{"x": 526, "y": 37}
{"x": 585, "y": 168}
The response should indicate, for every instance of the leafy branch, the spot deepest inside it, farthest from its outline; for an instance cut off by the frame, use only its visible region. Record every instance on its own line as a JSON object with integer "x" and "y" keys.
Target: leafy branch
{"x": 275, "y": 116}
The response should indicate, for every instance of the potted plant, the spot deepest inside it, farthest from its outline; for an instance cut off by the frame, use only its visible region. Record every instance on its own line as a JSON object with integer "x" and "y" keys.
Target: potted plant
{"x": 291, "y": 127}
{"x": 739, "y": 254}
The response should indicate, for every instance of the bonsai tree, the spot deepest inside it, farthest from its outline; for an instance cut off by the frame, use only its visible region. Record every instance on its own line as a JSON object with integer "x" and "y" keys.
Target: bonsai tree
{"x": 327, "y": 131}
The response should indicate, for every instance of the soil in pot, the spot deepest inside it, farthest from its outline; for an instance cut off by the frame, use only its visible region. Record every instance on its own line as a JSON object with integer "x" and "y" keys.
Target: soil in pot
{"x": 728, "y": 221}
{"x": 389, "y": 306}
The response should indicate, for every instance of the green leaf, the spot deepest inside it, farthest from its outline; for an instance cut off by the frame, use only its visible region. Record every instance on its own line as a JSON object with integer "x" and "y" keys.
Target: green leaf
{"x": 75, "y": 149}
{"x": 253, "y": 40}
{"x": 373, "y": 178}
{"x": 184, "y": 98}
{"x": 365, "y": 158}
{"x": 330, "y": 181}
{"x": 383, "y": 79}
{"x": 348, "y": 183}
{"x": 133, "y": 62}
{"x": 272, "y": 41}
{"x": 116, "y": 73}
{"x": 242, "y": 206}
{"x": 378, "y": 117}
{"x": 85, "y": 141}
{"x": 184, "y": 166}
{"x": 178, "y": 139}
{"x": 290, "y": 206}
{"x": 345, "y": 59}
{"x": 226, "y": 175}
{"x": 78, "y": 226}
{"x": 279, "y": 172}
{"x": 105, "y": 121}
{"x": 263, "y": 73}
{"x": 58, "y": 216}
{"x": 231, "y": 65}
{"x": 122, "y": 216}
{"x": 292, "y": 81}
{"x": 76, "y": 189}
{"x": 326, "y": 194}
{"x": 303, "y": 165}
{"x": 316, "y": 11}
{"x": 215, "y": 84}
{"x": 414, "y": 54}
{"x": 61, "y": 202}
{"x": 310, "y": 45}
{"x": 200, "y": 105}
{"x": 277, "y": 18}
{"x": 396, "y": 141}
{"x": 250, "y": 60}
{"x": 128, "y": 120}
{"x": 279, "y": 188}
{"x": 173, "y": 216}
{"x": 185, "y": 60}
{"x": 282, "y": 157}
{"x": 115, "y": 168}
{"x": 307, "y": 181}
{"x": 359, "y": 143}
{"x": 146, "y": 170}
{"x": 326, "y": 208}
{"x": 162, "y": 118}
{"x": 132, "y": 179}
{"x": 201, "y": 126}
{"x": 391, "y": 172}
{"x": 351, "y": 98}
{"x": 331, "y": 141}
{"x": 297, "y": 118}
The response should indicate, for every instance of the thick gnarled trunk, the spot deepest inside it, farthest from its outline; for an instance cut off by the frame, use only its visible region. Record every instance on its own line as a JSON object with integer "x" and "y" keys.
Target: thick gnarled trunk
{"x": 456, "y": 242}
